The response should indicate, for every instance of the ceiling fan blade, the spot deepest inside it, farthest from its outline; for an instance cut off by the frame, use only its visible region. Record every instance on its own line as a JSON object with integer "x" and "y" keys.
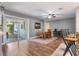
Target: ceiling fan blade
{"x": 42, "y": 11}
{"x": 60, "y": 14}
{"x": 42, "y": 15}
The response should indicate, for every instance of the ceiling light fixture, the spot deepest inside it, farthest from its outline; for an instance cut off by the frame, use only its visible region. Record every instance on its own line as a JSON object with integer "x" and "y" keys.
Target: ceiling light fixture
{"x": 51, "y": 16}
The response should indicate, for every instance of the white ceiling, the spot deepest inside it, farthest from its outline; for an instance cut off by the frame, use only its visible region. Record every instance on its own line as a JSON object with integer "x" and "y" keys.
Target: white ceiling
{"x": 36, "y": 9}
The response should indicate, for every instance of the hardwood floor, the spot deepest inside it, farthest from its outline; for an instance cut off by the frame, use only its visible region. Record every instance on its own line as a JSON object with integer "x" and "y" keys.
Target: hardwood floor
{"x": 43, "y": 50}
{"x": 30, "y": 48}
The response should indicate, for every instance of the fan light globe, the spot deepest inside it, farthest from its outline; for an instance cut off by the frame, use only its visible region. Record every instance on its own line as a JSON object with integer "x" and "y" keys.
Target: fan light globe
{"x": 49, "y": 16}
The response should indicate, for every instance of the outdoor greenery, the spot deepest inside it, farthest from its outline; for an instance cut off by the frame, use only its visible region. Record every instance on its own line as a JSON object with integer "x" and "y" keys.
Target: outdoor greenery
{"x": 10, "y": 28}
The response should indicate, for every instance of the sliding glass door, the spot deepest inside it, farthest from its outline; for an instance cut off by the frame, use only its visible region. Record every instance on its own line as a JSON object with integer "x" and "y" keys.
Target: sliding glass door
{"x": 15, "y": 30}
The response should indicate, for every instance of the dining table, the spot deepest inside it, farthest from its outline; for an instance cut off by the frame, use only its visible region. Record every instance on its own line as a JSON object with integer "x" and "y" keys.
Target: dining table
{"x": 70, "y": 42}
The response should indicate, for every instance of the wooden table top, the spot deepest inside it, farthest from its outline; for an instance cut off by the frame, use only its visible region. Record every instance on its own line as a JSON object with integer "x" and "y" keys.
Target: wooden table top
{"x": 71, "y": 37}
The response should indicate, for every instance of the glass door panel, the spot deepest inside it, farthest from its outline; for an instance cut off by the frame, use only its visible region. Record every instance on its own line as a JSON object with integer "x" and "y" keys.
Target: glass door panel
{"x": 15, "y": 30}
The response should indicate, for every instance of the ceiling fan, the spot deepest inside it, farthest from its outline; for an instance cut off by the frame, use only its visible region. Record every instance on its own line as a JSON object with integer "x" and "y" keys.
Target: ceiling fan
{"x": 52, "y": 14}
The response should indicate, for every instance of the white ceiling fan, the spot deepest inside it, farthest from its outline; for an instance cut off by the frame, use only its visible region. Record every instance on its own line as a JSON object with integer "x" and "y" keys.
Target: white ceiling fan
{"x": 52, "y": 14}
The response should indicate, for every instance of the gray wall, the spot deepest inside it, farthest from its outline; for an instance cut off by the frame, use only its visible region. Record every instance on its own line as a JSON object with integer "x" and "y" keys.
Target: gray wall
{"x": 33, "y": 31}
{"x": 64, "y": 24}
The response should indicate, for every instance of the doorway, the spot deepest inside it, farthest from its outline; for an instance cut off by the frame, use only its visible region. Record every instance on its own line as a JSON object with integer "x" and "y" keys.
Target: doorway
{"x": 15, "y": 30}
{"x": 46, "y": 26}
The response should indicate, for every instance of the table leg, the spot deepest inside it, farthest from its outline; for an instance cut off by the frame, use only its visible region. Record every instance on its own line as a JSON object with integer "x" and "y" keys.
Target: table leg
{"x": 71, "y": 49}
